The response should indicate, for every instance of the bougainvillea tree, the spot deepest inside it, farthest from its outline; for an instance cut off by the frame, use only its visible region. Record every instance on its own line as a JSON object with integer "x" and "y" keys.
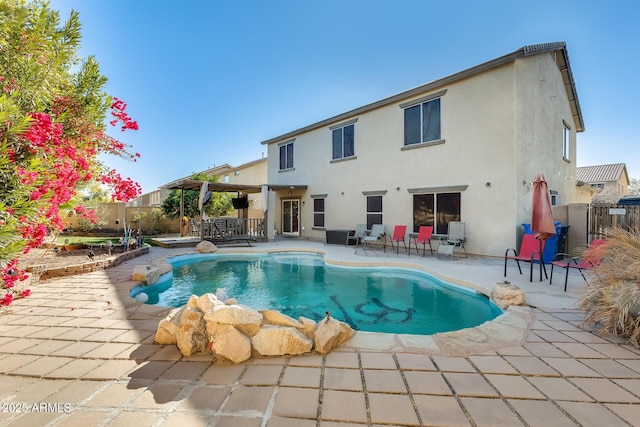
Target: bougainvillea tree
{"x": 53, "y": 117}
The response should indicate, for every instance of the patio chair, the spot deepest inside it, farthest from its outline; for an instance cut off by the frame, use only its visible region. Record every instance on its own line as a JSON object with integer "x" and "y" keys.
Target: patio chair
{"x": 357, "y": 235}
{"x": 423, "y": 238}
{"x": 591, "y": 259}
{"x": 455, "y": 238}
{"x": 531, "y": 250}
{"x": 398, "y": 236}
{"x": 376, "y": 233}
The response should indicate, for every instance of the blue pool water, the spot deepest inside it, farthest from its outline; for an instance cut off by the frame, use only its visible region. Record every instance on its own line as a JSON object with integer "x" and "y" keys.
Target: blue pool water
{"x": 369, "y": 299}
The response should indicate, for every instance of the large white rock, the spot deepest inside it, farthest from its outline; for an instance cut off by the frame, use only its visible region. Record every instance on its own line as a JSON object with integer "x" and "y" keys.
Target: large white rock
{"x": 206, "y": 247}
{"x": 504, "y": 294}
{"x": 145, "y": 273}
{"x": 274, "y": 317}
{"x": 329, "y": 334}
{"x": 193, "y": 301}
{"x": 192, "y": 335}
{"x": 245, "y": 319}
{"x": 168, "y": 327}
{"x": 280, "y": 341}
{"x": 207, "y": 301}
{"x": 229, "y": 342}
{"x": 309, "y": 326}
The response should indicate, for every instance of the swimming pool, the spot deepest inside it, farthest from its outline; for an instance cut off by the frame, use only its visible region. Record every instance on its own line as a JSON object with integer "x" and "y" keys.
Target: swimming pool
{"x": 379, "y": 299}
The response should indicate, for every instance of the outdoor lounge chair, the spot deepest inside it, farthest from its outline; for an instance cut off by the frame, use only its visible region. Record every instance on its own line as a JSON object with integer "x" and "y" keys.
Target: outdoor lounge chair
{"x": 455, "y": 238}
{"x": 398, "y": 236}
{"x": 531, "y": 250}
{"x": 356, "y": 236}
{"x": 423, "y": 238}
{"x": 591, "y": 259}
{"x": 376, "y": 233}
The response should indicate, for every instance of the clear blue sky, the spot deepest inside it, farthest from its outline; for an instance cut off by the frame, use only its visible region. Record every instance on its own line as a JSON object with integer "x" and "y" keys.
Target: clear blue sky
{"x": 209, "y": 80}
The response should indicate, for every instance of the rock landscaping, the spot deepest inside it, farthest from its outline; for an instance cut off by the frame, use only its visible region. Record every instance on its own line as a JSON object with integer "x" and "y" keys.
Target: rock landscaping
{"x": 236, "y": 333}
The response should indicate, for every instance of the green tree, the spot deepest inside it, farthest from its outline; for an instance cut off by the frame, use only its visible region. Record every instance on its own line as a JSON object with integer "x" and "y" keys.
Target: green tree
{"x": 219, "y": 205}
{"x": 53, "y": 112}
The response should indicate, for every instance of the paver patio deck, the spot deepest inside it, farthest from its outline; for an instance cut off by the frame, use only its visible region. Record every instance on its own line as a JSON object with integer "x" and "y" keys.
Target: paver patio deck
{"x": 79, "y": 351}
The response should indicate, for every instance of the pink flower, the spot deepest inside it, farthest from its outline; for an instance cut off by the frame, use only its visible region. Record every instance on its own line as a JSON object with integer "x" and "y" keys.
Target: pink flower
{"x": 8, "y": 299}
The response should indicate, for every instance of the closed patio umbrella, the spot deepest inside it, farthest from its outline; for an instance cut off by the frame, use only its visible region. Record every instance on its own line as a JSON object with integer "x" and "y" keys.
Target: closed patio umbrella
{"x": 542, "y": 214}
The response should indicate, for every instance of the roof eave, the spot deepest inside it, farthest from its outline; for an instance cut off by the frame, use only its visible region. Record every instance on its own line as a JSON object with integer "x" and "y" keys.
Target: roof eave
{"x": 567, "y": 76}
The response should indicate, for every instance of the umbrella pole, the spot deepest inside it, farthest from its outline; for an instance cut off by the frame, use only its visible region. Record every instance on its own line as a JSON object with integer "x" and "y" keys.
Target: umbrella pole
{"x": 540, "y": 255}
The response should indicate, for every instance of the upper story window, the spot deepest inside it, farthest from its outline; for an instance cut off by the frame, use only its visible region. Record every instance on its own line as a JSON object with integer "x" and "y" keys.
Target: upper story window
{"x": 343, "y": 140}
{"x": 422, "y": 122}
{"x": 566, "y": 141}
{"x": 286, "y": 156}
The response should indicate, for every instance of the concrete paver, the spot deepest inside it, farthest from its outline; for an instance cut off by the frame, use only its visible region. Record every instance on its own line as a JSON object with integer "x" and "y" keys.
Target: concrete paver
{"x": 82, "y": 342}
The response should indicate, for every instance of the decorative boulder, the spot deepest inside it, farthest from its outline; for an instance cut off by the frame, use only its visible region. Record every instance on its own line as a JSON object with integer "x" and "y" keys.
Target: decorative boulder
{"x": 245, "y": 319}
{"x": 168, "y": 327}
{"x": 206, "y": 247}
{"x": 193, "y": 301}
{"x": 192, "y": 335}
{"x": 309, "y": 326}
{"x": 207, "y": 301}
{"x": 329, "y": 334}
{"x": 228, "y": 342}
{"x": 280, "y": 340}
{"x": 274, "y": 317}
{"x": 504, "y": 294}
{"x": 145, "y": 273}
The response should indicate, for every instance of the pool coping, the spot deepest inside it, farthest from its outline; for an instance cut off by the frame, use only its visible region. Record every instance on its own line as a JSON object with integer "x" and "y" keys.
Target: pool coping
{"x": 508, "y": 329}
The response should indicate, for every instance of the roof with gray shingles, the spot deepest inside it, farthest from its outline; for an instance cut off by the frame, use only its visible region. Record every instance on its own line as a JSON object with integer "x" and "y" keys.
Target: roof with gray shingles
{"x": 601, "y": 173}
{"x": 561, "y": 58}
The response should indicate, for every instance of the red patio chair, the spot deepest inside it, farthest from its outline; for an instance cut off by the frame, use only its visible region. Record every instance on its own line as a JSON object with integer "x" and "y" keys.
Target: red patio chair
{"x": 423, "y": 238}
{"x": 398, "y": 236}
{"x": 531, "y": 250}
{"x": 591, "y": 259}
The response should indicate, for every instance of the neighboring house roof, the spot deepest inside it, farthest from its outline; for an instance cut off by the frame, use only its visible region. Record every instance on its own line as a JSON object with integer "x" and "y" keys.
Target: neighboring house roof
{"x": 601, "y": 173}
{"x": 562, "y": 59}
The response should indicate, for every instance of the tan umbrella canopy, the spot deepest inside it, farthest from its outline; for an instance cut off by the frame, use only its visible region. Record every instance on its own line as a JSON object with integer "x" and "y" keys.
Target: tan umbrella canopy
{"x": 541, "y": 213}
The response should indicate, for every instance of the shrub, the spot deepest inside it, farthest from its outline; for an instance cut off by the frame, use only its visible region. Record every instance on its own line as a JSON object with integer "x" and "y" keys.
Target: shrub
{"x": 612, "y": 298}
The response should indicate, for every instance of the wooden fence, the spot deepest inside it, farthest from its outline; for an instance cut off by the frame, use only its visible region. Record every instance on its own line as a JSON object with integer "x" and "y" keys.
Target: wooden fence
{"x": 604, "y": 217}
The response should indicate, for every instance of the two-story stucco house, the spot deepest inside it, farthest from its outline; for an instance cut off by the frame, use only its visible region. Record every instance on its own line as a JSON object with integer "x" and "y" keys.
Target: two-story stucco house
{"x": 465, "y": 147}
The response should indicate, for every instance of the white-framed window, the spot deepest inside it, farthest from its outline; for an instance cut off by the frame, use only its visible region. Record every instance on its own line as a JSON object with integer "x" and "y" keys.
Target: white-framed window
{"x": 286, "y": 156}
{"x": 566, "y": 141}
{"x": 374, "y": 210}
{"x": 422, "y": 122}
{"x": 343, "y": 142}
{"x": 318, "y": 212}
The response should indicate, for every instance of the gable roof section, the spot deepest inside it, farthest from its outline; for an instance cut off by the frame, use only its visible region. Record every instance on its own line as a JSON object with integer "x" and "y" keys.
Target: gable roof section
{"x": 601, "y": 173}
{"x": 561, "y": 58}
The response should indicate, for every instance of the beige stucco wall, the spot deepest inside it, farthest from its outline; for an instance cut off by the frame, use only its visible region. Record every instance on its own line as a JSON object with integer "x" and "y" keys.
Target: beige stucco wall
{"x": 482, "y": 119}
{"x": 252, "y": 173}
{"x": 541, "y": 107}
